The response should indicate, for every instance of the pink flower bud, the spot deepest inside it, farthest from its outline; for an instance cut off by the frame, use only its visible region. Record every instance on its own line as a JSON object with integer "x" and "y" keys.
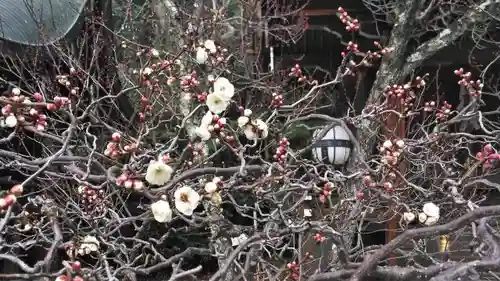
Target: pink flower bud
{"x": 17, "y": 190}
{"x": 76, "y": 266}
{"x": 10, "y": 199}
{"x": 51, "y": 107}
{"x": 128, "y": 184}
{"x": 116, "y": 136}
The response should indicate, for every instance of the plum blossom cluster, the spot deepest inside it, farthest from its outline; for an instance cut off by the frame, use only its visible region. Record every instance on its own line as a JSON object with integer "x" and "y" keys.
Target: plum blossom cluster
{"x": 209, "y": 50}
{"x": 200, "y": 149}
{"x": 219, "y": 99}
{"x": 351, "y": 24}
{"x": 113, "y": 148}
{"x": 319, "y": 238}
{"x": 296, "y": 72}
{"x": 186, "y": 200}
{"x": 473, "y": 87}
{"x": 351, "y": 47}
{"x": 84, "y": 246}
{"x": 386, "y": 185}
{"x": 211, "y": 124}
{"x": 281, "y": 151}
{"x": 129, "y": 181}
{"x": 383, "y": 50}
{"x": 391, "y": 150}
{"x": 91, "y": 199}
{"x": 488, "y": 155}
{"x": 253, "y": 129}
{"x": 10, "y": 197}
{"x": 277, "y": 100}
{"x": 145, "y": 108}
{"x": 148, "y": 74}
{"x": 428, "y": 216}
{"x": 74, "y": 273}
{"x": 294, "y": 269}
{"x": 213, "y": 185}
{"x": 189, "y": 82}
{"x": 444, "y": 112}
{"x": 326, "y": 191}
{"x": 19, "y": 109}
{"x": 404, "y": 94}
{"x": 429, "y": 106}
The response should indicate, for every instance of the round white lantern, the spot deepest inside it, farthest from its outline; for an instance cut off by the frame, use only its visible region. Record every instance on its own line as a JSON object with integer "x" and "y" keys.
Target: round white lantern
{"x": 334, "y": 148}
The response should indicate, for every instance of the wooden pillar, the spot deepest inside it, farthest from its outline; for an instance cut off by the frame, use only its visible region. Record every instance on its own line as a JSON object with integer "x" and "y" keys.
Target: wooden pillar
{"x": 395, "y": 127}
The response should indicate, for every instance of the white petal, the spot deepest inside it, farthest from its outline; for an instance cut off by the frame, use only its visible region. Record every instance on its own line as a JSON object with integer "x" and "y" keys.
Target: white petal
{"x": 223, "y": 87}
{"x": 422, "y": 217}
{"x": 387, "y": 144}
{"x": 210, "y": 45}
{"x": 216, "y": 103}
{"x": 210, "y": 187}
{"x": 184, "y": 208}
{"x": 247, "y": 112}
{"x": 249, "y": 133}
{"x": 158, "y": 173}
{"x": 431, "y": 220}
{"x": 193, "y": 199}
{"x": 201, "y": 55}
{"x": 203, "y": 133}
{"x": 409, "y": 217}
{"x": 161, "y": 211}
{"x": 11, "y": 121}
{"x": 430, "y": 209}
{"x": 242, "y": 121}
{"x": 207, "y": 119}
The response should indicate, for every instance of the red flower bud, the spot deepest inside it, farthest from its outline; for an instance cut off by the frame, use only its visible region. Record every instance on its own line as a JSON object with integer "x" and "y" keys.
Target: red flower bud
{"x": 51, "y": 106}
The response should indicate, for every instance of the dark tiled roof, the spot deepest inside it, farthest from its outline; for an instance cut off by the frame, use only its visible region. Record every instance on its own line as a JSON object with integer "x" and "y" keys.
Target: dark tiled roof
{"x": 38, "y": 22}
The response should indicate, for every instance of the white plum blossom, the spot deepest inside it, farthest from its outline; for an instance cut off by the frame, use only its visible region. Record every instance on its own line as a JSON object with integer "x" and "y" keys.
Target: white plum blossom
{"x": 154, "y": 53}
{"x": 203, "y": 133}
{"x": 242, "y": 121}
{"x": 210, "y": 45}
{"x": 247, "y": 112}
{"x": 11, "y": 121}
{"x": 201, "y": 55}
{"x": 186, "y": 200}
{"x": 161, "y": 211}
{"x": 216, "y": 102}
{"x": 223, "y": 87}
{"x": 210, "y": 187}
{"x": 430, "y": 209}
{"x": 400, "y": 143}
{"x": 431, "y": 221}
{"x": 206, "y": 120}
{"x": 16, "y": 91}
{"x": 408, "y": 217}
{"x": 431, "y": 212}
{"x": 203, "y": 130}
{"x": 387, "y": 144}
{"x": 147, "y": 71}
{"x": 257, "y": 129}
{"x": 158, "y": 173}
{"x": 89, "y": 245}
{"x": 422, "y": 217}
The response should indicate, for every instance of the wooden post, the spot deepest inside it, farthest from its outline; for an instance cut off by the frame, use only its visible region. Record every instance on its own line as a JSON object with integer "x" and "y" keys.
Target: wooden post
{"x": 395, "y": 127}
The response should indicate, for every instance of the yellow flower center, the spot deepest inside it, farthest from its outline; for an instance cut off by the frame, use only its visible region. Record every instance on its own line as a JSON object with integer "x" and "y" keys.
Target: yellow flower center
{"x": 184, "y": 197}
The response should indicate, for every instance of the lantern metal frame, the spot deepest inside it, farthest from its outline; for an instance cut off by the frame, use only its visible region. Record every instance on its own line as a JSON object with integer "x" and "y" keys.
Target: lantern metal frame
{"x": 326, "y": 144}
